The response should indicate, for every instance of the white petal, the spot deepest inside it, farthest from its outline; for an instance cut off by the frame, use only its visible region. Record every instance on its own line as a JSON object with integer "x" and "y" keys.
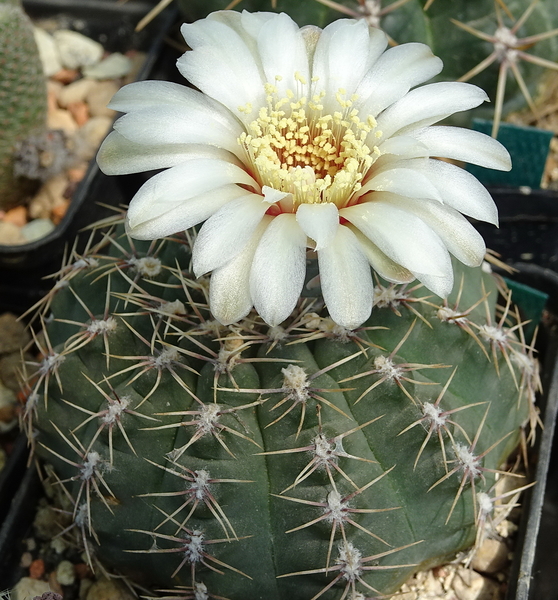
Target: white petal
{"x": 221, "y": 65}
{"x": 460, "y": 190}
{"x": 346, "y": 280}
{"x": 176, "y": 125}
{"x": 403, "y": 146}
{"x": 182, "y": 215}
{"x": 319, "y": 222}
{"x": 429, "y": 104}
{"x": 384, "y": 266}
{"x": 394, "y": 74}
{"x": 226, "y": 232}
{"x": 278, "y": 269}
{"x": 119, "y": 156}
{"x": 466, "y": 145}
{"x": 229, "y": 290}
{"x": 457, "y": 234}
{"x": 402, "y": 236}
{"x": 346, "y": 43}
{"x": 404, "y": 181}
{"x": 283, "y": 53}
{"x": 441, "y": 286}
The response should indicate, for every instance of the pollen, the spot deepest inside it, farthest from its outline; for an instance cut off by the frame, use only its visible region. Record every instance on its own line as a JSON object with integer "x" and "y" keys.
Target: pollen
{"x": 313, "y": 157}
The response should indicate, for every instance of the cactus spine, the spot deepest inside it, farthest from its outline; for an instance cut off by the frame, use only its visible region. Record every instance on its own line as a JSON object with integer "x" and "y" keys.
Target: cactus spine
{"x": 303, "y": 461}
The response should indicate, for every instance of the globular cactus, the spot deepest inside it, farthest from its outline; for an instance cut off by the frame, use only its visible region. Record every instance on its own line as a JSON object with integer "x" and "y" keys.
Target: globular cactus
{"x": 299, "y": 461}
{"x": 23, "y": 101}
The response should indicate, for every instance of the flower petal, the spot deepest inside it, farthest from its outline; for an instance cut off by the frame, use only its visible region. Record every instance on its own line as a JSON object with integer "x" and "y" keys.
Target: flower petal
{"x": 221, "y": 65}
{"x": 283, "y": 54}
{"x": 459, "y": 189}
{"x": 441, "y": 285}
{"x": 428, "y": 104}
{"x": 278, "y": 269}
{"x": 176, "y": 125}
{"x": 404, "y": 146}
{"x": 319, "y": 222}
{"x": 466, "y": 145}
{"x": 402, "y": 236}
{"x": 400, "y": 180}
{"x": 226, "y": 232}
{"x": 119, "y": 156}
{"x": 394, "y": 74}
{"x": 344, "y": 42}
{"x": 457, "y": 234}
{"x": 180, "y": 216}
{"x": 383, "y": 265}
{"x": 229, "y": 289}
{"x": 346, "y": 280}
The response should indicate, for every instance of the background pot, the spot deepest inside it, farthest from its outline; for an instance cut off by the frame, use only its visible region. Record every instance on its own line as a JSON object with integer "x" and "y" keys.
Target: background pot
{"x": 22, "y": 267}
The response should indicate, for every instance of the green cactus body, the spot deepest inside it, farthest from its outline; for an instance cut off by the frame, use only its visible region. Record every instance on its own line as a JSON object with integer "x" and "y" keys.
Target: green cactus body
{"x": 243, "y": 462}
{"x": 22, "y": 95}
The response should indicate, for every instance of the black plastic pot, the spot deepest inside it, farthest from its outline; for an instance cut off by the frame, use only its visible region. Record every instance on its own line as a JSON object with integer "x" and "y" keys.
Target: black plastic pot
{"x": 23, "y": 267}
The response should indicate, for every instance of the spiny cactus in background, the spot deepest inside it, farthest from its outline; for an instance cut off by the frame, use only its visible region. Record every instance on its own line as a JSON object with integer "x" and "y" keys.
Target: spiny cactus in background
{"x": 299, "y": 461}
{"x": 22, "y": 96}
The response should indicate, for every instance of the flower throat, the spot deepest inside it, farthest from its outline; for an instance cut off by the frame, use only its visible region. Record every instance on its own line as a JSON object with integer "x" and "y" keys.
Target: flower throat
{"x": 297, "y": 149}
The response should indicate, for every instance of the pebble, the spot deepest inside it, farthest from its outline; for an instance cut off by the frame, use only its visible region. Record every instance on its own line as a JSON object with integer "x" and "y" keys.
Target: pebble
{"x": 58, "y": 211}
{"x": 26, "y": 560}
{"x": 37, "y": 229}
{"x": 114, "y": 66}
{"x": 16, "y": 215}
{"x": 108, "y": 589}
{"x": 13, "y": 334}
{"x": 470, "y": 585}
{"x": 8, "y": 406}
{"x": 37, "y": 568}
{"x": 65, "y": 573}
{"x": 491, "y": 557}
{"x": 58, "y": 545}
{"x": 10, "y": 234}
{"x": 76, "y": 50}
{"x": 10, "y": 369}
{"x": 84, "y": 587}
{"x": 61, "y": 119}
{"x": 49, "y": 195}
{"x": 54, "y": 89}
{"x": 27, "y": 588}
{"x": 80, "y": 112}
{"x": 66, "y": 76}
{"x": 75, "y": 91}
{"x": 99, "y": 96}
{"x": 48, "y": 52}
{"x": 90, "y": 136}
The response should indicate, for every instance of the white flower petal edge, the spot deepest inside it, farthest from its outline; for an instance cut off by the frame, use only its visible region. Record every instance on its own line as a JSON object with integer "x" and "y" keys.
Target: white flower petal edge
{"x": 348, "y": 293}
{"x": 278, "y": 269}
{"x": 305, "y": 139}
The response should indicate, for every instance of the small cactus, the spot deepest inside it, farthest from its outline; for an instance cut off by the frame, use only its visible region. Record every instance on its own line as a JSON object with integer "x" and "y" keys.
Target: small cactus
{"x": 22, "y": 96}
{"x": 250, "y": 461}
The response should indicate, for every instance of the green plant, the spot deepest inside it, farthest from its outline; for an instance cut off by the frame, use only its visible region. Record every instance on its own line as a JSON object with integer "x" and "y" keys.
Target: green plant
{"x": 22, "y": 96}
{"x": 247, "y": 461}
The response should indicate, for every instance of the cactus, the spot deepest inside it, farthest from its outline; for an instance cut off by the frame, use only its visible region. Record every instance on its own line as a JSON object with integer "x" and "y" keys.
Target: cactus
{"x": 22, "y": 96}
{"x": 302, "y": 461}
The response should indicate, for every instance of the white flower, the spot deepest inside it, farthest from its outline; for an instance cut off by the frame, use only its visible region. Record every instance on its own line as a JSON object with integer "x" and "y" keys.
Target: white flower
{"x": 304, "y": 139}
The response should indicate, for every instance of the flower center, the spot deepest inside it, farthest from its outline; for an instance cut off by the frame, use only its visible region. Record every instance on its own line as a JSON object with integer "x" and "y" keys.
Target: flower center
{"x": 310, "y": 156}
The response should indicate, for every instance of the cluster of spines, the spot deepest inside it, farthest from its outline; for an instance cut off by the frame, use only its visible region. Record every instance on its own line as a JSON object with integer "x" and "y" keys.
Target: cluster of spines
{"x": 188, "y": 319}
